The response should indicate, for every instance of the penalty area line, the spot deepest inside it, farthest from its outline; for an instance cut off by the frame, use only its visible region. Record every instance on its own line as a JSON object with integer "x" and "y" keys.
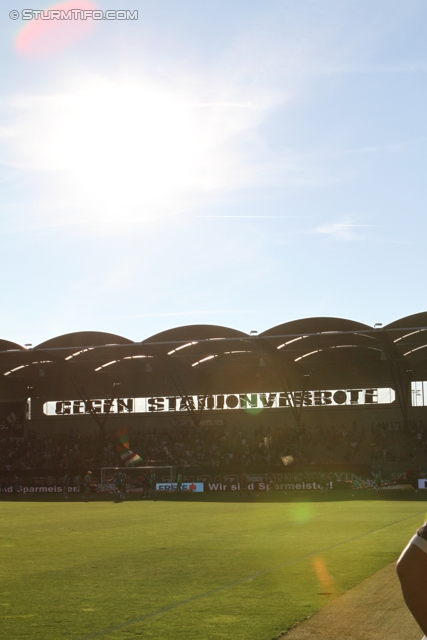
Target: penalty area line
{"x": 235, "y": 583}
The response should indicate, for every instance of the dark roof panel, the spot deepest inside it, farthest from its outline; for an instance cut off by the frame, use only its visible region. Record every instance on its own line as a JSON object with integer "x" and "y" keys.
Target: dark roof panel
{"x": 414, "y": 321}
{"x": 315, "y": 325}
{"x": 83, "y": 339}
{"x": 195, "y": 332}
{"x": 6, "y": 345}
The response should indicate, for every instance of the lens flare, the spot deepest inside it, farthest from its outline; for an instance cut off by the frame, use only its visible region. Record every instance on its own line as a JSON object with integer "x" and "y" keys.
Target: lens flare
{"x": 40, "y": 37}
{"x": 301, "y": 513}
{"x": 253, "y": 411}
{"x": 325, "y": 579}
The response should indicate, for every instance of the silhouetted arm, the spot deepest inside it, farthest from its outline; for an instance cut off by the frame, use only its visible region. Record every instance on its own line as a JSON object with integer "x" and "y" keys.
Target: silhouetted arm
{"x": 412, "y": 572}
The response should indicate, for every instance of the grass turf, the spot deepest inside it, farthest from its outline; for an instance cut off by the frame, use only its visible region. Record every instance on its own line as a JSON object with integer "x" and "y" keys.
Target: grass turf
{"x": 183, "y": 570}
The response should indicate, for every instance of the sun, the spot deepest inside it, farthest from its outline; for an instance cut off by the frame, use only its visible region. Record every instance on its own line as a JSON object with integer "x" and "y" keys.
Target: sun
{"x": 123, "y": 152}
{"x": 126, "y": 145}
{"x": 113, "y": 150}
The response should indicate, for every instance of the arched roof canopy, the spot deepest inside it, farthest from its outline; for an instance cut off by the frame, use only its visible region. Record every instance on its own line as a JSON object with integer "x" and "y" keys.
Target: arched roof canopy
{"x": 92, "y": 348}
{"x": 310, "y": 351}
{"x": 300, "y": 339}
{"x": 180, "y": 335}
{"x": 6, "y": 345}
{"x": 409, "y": 336}
{"x": 308, "y": 326}
{"x": 301, "y": 347}
{"x": 194, "y": 343}
{"x": 413, "y": 321}
{"x": 13, "y": 355}
{"x": 83, "y": 339}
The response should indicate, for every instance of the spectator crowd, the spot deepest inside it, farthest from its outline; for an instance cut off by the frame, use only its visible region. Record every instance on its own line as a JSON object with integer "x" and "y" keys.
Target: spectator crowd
{"x": 225, "y": 445}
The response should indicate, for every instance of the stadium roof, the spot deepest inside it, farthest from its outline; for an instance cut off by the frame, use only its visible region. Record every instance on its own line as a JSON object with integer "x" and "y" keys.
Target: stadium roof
{"x": 310, "y": 353}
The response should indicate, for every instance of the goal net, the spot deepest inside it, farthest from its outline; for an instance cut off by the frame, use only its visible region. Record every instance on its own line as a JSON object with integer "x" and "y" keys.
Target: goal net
{"x": 137, "y": 479}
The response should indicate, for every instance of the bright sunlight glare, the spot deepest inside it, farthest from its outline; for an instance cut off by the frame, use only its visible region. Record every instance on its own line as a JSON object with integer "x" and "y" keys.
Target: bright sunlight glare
{"x": 121, "y": 144}
{"x": 127, "y": 149}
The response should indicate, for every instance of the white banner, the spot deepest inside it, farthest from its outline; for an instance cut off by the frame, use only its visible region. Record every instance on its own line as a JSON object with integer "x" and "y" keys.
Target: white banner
{"x": 222, "y": 402}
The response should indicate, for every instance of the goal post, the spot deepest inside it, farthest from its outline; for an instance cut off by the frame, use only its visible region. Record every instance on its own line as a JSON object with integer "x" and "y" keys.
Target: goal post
{"x": 134, "y": 477}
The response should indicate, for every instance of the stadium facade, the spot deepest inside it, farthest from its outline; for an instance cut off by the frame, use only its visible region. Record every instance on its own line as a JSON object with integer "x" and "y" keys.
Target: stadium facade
{"x": 313, "y": 369}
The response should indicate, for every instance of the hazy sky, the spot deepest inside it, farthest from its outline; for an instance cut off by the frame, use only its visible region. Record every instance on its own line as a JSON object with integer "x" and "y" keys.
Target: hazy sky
{"x": 240, "y": 163}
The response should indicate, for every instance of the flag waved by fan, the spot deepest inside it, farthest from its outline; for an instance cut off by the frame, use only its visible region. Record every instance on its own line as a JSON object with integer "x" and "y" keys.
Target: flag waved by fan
{"x": 121, "y": 441}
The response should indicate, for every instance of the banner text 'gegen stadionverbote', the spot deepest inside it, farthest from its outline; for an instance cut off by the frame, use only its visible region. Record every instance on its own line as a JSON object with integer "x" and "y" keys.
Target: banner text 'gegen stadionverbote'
{"x": 221, "y": 402}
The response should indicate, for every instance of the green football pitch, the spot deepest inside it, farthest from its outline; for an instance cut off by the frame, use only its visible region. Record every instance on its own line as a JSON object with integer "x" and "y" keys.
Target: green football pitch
{"x": 187, "y": 570}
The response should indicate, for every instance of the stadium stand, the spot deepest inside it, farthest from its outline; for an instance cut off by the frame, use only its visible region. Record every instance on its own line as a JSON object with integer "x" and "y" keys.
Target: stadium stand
{"x": 322, "y": 390}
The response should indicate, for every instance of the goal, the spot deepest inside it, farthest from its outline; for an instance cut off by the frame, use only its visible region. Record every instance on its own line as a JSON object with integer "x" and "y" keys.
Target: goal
{"x": 134, "y": 477}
